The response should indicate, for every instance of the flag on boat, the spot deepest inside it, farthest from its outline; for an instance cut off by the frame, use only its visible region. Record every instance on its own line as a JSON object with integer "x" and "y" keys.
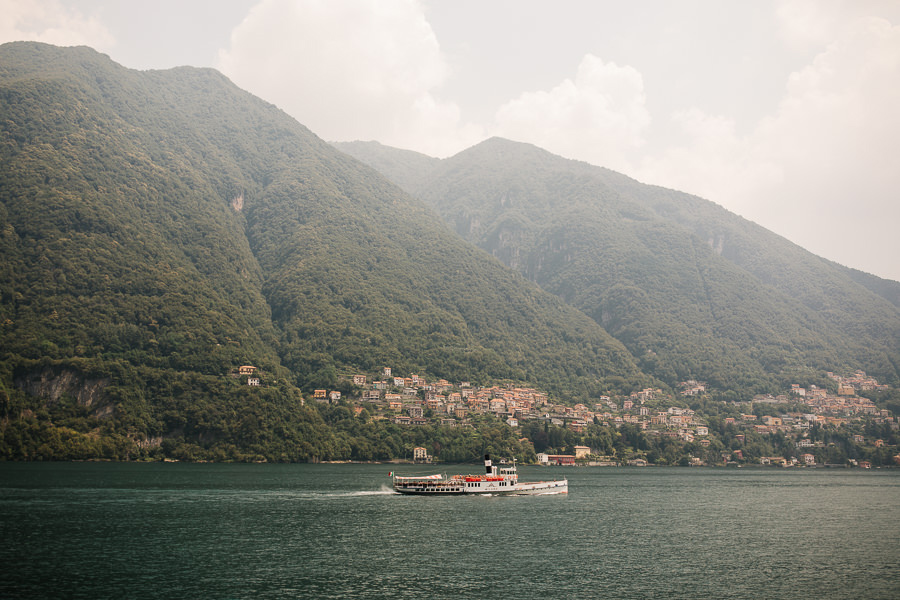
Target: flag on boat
{"x": 391, "y": 474}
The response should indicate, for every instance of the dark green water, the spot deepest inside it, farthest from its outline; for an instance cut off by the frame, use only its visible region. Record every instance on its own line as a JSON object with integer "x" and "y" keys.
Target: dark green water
{"x": 94, "y": 530}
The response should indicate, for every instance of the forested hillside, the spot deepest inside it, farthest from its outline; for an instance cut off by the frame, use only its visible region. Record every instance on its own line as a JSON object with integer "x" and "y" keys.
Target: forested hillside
{"x": 408, "y": 169}
{"x": 692, "y": 290}
{"x": 159, "y": 229}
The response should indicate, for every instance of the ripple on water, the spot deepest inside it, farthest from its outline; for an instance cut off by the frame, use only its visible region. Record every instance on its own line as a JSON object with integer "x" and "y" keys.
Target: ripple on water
{"x": 339, "y": 531}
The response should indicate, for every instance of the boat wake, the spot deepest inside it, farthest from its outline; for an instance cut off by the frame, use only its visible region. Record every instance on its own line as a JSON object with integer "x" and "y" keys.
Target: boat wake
{"x": 384, "y": 491}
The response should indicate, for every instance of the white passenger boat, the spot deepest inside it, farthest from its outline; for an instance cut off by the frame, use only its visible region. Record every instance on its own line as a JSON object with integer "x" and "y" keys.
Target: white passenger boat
{"x": 502, "y": 480}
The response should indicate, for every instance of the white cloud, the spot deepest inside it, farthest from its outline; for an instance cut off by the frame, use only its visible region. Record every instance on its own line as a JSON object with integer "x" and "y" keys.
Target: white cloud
{"x": 350, "y": 70}
{"x": 836, "y": 133}
{"x": 52, "y": 23}
{"x": 599, "y": 117}
{"x": 823, "y": 169}
{"x": 808, "y": 23}
{"x": 711, "y": 161}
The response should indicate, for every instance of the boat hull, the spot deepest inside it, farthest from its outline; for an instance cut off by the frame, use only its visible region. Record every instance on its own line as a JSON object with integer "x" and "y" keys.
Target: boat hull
{"x": 503, "y": 480}
{"x": 481, "y": 488}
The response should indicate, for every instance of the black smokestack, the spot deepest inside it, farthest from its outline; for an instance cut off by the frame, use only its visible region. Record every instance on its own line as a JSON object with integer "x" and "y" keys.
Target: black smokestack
{"x": 487, "y": 464}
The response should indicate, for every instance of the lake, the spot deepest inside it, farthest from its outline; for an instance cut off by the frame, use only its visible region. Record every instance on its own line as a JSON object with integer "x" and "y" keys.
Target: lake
{"x": 172, "y": 530}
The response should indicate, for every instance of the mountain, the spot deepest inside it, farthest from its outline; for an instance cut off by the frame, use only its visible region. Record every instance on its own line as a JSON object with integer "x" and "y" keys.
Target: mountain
{"x": 406, "y": 168}
{"x": 691, "y": 289}
{"x": 161, "y": 228}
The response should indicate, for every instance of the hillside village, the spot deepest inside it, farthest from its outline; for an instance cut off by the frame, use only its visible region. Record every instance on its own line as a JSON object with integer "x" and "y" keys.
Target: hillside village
{"x": 800, "y": 419}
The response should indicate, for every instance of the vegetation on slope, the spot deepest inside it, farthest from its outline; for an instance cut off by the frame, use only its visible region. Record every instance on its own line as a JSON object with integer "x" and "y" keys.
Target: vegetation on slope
{"x": 161, "y": 228}
{"x": 406, "y": 168}
{"x": 692, "y": 290}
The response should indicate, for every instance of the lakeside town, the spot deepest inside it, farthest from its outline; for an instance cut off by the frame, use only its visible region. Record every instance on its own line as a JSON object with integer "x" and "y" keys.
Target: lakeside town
{"x": 807, "y": 426}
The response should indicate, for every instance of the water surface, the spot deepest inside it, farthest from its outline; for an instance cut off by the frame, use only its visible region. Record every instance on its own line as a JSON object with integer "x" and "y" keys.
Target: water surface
{"x": 115, "y": 530}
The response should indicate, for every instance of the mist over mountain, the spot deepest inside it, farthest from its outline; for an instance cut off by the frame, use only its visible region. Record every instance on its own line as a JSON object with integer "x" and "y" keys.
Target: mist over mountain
{"x": 161, "y": 228}
{"x": 407, "y": 168}
{"x": 691, "y": 289}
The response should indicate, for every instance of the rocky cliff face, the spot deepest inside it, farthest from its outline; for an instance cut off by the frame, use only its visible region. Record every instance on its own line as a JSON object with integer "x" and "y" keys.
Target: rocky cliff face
{"x": 52, "y": 384}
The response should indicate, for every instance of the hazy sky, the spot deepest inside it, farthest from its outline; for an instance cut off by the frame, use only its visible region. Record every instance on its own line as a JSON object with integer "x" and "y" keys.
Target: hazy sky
{"x": 785, "y": 112}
